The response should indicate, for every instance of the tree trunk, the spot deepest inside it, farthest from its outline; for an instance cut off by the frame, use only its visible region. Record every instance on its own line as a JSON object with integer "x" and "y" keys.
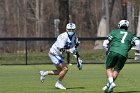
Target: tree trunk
{"x": 138, "y": 27}
{"x": 37, "y": 19}
{"x": 25, "y": 19}
{"x": 129, "y": 15}
{"x": 103, "y": 28}
{"x": 64, "y": 14}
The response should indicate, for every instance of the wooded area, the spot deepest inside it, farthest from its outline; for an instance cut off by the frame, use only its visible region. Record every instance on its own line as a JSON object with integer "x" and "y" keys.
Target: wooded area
{"x": 48, "y": 18}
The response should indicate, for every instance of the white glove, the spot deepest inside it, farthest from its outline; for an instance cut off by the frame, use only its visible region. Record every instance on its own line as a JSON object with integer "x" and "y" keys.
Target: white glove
{"x": 73, "y": 50}
{"x": 105, "y": 45}
{"x": 79, "y": 64}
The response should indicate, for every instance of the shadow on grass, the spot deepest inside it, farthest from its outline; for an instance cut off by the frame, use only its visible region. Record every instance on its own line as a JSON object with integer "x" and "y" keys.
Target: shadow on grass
{"x": 128, "y": 92}
{"x": 76, "y": 88}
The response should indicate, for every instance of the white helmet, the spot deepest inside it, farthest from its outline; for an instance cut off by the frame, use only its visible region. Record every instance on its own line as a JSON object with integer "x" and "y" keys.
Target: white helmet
{"x": 71, "y": 26}
{"x": 123, "y": 23}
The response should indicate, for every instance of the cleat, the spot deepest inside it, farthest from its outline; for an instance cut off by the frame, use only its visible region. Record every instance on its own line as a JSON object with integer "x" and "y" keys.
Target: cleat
{"x": 105, "y": 89}
{"x": 110, "y": 89}
{"x": 59, "y": 85}
{"x": 70, "y": 64}
{"x": 42, "y": 76}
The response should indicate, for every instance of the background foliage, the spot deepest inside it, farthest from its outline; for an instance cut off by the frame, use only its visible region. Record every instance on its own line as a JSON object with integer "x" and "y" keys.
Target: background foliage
{"x": 48, "y": 18}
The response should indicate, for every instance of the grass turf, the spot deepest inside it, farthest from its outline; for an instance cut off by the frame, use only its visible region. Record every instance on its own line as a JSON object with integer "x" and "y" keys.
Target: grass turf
{"x": 25, "y": 79}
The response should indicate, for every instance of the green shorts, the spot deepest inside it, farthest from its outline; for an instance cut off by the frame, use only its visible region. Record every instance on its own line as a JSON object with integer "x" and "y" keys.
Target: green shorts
{"x": 115, "y": 60}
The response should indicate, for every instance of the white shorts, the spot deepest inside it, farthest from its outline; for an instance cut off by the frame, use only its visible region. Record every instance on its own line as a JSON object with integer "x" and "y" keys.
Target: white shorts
{"x": 56, "y": 59}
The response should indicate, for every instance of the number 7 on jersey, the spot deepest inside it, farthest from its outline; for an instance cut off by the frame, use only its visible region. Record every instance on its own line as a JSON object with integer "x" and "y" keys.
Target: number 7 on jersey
{"x": 124, "y": 36}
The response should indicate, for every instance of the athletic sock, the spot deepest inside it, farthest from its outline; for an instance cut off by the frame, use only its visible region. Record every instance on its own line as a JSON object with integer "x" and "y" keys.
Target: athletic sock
{"x": 110, "y": 79}
{"x": 45, "y": 73}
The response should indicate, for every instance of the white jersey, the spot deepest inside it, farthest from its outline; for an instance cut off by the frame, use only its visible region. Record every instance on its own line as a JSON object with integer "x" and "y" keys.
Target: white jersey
{"x": 63, "y": 41}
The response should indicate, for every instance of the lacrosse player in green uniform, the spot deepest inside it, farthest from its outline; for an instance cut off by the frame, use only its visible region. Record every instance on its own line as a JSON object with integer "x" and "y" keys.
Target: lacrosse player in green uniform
{"x": 119, "y": 42}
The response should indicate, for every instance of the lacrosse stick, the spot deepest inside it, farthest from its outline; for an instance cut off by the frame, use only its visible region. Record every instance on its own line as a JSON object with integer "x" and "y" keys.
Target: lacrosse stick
{"x": 76, "y": 55}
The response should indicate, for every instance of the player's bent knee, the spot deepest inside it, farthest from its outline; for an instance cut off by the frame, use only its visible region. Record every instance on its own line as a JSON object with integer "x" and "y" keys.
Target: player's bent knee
{"x": 65, "y": 69}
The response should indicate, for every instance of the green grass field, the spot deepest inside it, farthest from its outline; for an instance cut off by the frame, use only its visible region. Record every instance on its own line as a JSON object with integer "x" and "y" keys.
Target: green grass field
{"x": 25, "y": 79}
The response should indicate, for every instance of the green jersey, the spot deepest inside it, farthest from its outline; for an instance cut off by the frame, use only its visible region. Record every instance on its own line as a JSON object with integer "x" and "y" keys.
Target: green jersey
{"x": 121, "y": 41}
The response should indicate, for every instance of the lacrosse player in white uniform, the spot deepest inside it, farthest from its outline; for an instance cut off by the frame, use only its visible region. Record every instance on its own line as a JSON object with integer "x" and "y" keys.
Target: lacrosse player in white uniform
{"x": 65, "y": 43}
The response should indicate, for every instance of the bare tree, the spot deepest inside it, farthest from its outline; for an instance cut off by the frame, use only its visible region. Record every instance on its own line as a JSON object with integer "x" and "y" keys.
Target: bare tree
{"x": 138, "y": 27}
{"x": 25, "y": 18}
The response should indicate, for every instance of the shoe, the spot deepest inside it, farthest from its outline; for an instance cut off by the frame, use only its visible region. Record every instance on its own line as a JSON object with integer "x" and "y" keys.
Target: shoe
{"x": 59, "y": 85}
{"x": 105, "y": 88}
{"x": 70, "y": 64}
{"x": 42, "y": 76}
{"x": 110, "y": 89}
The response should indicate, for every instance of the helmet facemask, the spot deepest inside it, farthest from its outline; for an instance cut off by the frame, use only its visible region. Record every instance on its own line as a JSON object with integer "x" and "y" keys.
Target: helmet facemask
{"x": 123, "y": 24}
{"x": 71, "y": 29}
